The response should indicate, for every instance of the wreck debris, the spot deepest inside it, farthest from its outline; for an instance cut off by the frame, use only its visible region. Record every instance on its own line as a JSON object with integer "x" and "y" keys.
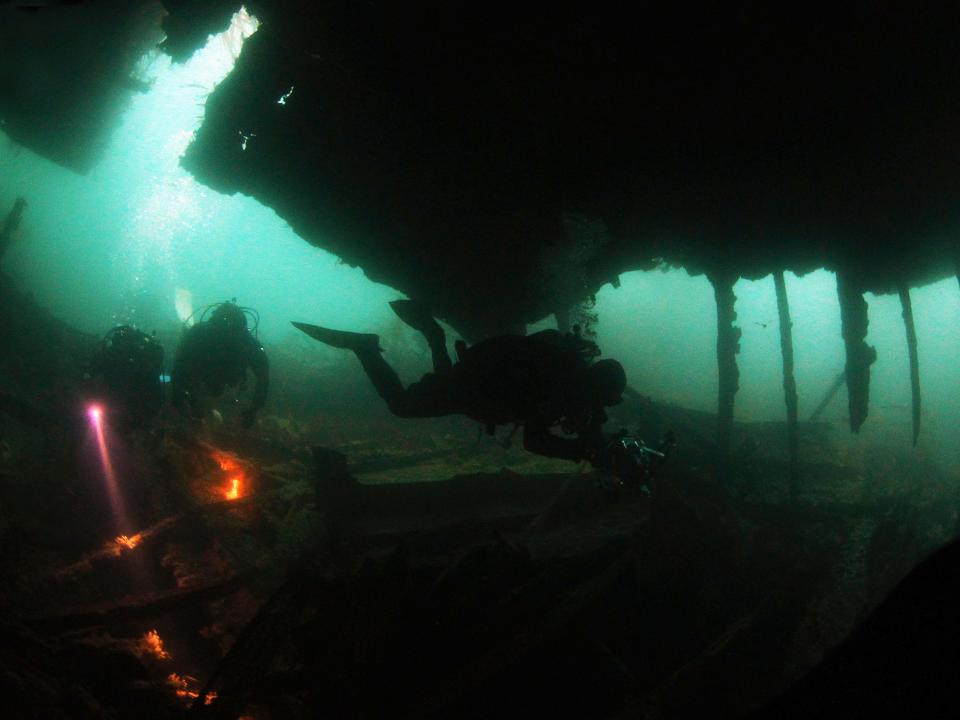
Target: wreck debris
{"x": 151, "y": 606}
{"x": 728, "y": 345}
{"x": 25, "y": 412}
{"x": 860, "y": 355}
{"x": 183, "y": 687}
{"x": 126, "y": 541}
{"x": 640, "y": 619}
{"x": 789, "y": 382}
{"x": 122, "y": 544}
{"x": 380, "y": 464}
{"x": 911, "y": 329}
{"x": 229, "y": 687}
{"x": 333, "y": 484}
{"x": 556, "y": 621}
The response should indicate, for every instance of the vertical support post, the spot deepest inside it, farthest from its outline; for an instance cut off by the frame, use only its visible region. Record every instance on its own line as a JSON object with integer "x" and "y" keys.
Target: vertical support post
{"x": 728, "y": 345}
{"x": 860, "y": 355}
{"x": 789, "y": 383}
{"x": 911, "y": 329}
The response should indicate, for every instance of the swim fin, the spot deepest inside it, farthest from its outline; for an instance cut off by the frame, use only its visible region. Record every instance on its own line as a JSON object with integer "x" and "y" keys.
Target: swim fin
{"x": 416, "y": 316}
{"x": 340, "y": 338}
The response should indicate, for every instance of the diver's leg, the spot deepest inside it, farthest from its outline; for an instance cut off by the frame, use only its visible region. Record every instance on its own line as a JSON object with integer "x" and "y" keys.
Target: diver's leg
{"x": 434, "y": 396}
{"x": 431, "y": 397}
{"x": 419, "y": 318}
{"x": 367, "y": 349}
{"x": 383, "y": 377}
{"x": 438, "y": 351}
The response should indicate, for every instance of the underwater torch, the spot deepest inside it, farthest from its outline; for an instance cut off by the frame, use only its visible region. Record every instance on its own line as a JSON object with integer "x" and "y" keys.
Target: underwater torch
{"x": 95, "y": 413}
{"x": 97, "y": 417}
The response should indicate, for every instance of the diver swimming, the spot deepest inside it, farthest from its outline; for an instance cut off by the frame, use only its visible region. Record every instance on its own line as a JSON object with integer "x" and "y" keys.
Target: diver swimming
{"x": 214, "y": 354}
{"x": 125, "y": 374}
{"x": 539, "y": 381}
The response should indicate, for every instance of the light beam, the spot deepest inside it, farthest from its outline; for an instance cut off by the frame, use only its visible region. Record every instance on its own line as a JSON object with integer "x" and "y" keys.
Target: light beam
{"x": 97, "y": 418}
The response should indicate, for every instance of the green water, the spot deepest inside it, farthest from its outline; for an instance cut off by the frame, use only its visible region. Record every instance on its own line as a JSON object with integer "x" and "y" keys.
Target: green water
{"x": 116, "y": 245}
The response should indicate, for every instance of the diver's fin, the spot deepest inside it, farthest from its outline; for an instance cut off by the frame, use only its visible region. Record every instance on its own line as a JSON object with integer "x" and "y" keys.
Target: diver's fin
{"x": 340, "y": 338}
{"x": 415, "y": 315}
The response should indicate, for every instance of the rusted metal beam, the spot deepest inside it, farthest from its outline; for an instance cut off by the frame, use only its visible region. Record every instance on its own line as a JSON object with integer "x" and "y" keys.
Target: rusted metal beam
{"x": 728, "y": 345}
{"x": 789, "y": 382}
{"x": 134, "y": 609}
{"x": 911, "y": 330}
{"x": 860, "y": 355}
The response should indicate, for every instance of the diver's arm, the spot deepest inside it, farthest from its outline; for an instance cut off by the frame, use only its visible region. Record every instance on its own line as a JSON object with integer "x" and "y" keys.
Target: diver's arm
{"x": 538, "y": 439}
{"x": 589, "y": 444}
{"x": 593, "y": 439}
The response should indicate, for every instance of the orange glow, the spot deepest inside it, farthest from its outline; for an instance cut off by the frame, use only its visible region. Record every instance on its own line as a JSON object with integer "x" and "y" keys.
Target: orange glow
{"x": 227, "y": 461}
{"x": 151, "y": 644}
{"x": 234, "y": 468}
{"x": 129, "y": 542}
{"x": 180, "y": 684}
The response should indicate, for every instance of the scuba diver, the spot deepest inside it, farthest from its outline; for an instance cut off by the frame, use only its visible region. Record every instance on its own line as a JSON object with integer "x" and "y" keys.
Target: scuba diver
{"x": 214, "y": 354}
{"x": 125, "y": 374}
{"x": 537, "y": 381}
